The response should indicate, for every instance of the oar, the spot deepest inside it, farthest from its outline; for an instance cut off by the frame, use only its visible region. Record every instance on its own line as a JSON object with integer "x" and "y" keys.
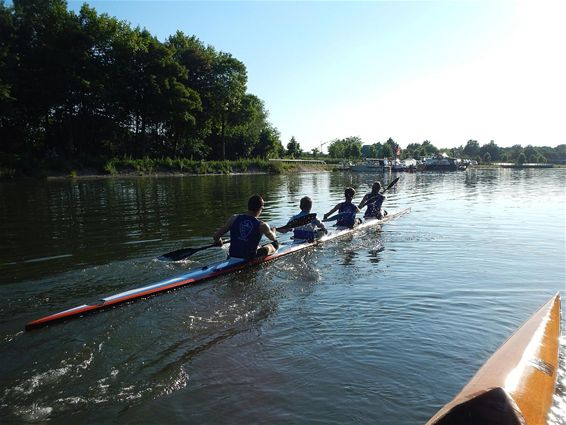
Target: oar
{"x": 298, "y": 222}
{"x": 183, "y": 253}
{"x": 389, "y": 186}
{"x": 337, "y": 216}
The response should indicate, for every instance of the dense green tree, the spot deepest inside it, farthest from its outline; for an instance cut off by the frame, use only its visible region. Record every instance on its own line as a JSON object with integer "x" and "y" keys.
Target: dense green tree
{"x": 197, "y": 60}
{"x": 428, "y": 148}
{"x": 248, "y": 123}
{"x": 377, "y": 150}
{"x": 353, "y": 150}
{"x": 350, "y": 147}
{"x": 457, "y": 152}
{"x": 392, "y": 150}
{"x": 8, "y": 59}
{"x": 74, "y": 84}
{"x": 416, "y": 150}
{"x": 556, "y": 154}
{"x": 492, "y": 149}
{"x": 227, "y": 91}
{"x": 531, "y": 153}
{"x": 42, "y": 82}
{"x": 294, "y": 148}
{"x": 369, "y": 151}
{"x": 387, "y": 151}
{"x": 472, "y": 149}
{"x": 269, "y": 145}
{"x": 412, "y": 151}
{"x": 336, "y": 149}
{"x": 7, "y": 55}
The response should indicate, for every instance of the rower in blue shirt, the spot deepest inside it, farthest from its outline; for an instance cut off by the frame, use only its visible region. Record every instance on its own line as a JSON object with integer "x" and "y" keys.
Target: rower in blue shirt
{"x": 246, "y": 231}
{"x": 374, "y": 201}
{"x": 308, "y": 231}
{"x": 347, "y": 210}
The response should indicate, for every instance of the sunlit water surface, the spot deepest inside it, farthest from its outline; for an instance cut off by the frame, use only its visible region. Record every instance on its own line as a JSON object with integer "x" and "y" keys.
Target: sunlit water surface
{"x": 381, "y": 327}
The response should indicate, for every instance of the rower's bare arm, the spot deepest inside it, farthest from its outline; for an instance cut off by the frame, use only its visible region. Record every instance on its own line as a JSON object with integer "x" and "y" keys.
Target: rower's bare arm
{"x": 222, "y": 230}
{"x": 363, "y": 203}
{"x": 268, "y": 232}
{"x": 331, "y": 211}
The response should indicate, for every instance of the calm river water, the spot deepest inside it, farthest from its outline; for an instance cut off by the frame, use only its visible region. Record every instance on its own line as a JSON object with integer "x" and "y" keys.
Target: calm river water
{"x": 383, "y": 327}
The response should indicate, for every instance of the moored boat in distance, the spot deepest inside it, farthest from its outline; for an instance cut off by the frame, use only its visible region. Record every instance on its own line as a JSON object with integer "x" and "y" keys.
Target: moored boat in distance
{"x": 516, "y": 385}
{"x": 408, "y": 165}
{"x": 201, "y": 274}
{"x": 372, "y": 165}
{"x": 344, "y": 166}
{"x": 442, "y": 163}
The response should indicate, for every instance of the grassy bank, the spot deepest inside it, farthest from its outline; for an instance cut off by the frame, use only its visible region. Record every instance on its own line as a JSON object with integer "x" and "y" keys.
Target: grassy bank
{"x": 119, "y": 166}
{"x": 149, "y": 166}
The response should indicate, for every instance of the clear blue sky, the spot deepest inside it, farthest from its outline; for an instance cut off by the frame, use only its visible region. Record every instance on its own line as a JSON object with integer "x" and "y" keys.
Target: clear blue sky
{"x": 446, "y": 71}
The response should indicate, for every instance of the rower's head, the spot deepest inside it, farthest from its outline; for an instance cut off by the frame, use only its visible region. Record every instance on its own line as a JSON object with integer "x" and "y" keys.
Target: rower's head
{"x": 306, "y": 204}
{"x": 255, "y": 204}
{"x": 349, "y": 193}
{"x": 376, "y": 187}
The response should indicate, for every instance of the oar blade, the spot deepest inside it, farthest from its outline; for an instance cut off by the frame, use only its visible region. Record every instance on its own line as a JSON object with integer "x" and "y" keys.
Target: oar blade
{"x": 298, "y": 222}
{"x": 182, "y": 253}
{"x": 393, "y": 183}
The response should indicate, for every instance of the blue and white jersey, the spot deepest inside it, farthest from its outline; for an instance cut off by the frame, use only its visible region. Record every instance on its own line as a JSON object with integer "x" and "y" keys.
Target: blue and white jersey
{"x": 244, "y": 236}
{"x": 374, "y": 206}
{"x": 307, "y": 231}
{"x": 349, "y": 210}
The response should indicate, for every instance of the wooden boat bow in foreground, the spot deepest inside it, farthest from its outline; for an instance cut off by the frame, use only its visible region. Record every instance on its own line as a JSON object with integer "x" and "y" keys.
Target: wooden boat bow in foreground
{"x": 516, "y": 385}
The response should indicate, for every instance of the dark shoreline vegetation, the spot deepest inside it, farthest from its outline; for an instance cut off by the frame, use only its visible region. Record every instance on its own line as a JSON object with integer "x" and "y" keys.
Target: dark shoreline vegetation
{"x": 152, "y": 167}
{"x": 82, "y": 92}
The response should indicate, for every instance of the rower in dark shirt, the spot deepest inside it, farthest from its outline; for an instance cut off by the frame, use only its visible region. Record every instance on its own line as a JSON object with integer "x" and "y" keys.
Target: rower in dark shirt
{"x": 347, "y": 210}
{"x": 373, "y": 200}
{"x": 246, "y": 231}
{"x": 310, "y": 230}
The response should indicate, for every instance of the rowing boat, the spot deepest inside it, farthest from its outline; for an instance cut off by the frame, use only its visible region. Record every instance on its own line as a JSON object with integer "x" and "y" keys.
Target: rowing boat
{"x": 515, "y": 386}
{"x": 204, "y": 273}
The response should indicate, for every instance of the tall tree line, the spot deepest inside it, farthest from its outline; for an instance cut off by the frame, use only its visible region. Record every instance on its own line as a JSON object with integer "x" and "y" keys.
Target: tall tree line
{"x": 85, "y": 84}
{"x": 352, "y": 148}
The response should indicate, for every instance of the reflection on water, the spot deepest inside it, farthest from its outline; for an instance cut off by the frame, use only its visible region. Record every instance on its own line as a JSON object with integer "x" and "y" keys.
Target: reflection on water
{"x": 355, "y": 330}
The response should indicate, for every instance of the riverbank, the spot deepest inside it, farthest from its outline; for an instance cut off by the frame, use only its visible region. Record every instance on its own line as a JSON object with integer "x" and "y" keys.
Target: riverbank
{"x": 125, "y": 167}
{"x": 129, "y": 167}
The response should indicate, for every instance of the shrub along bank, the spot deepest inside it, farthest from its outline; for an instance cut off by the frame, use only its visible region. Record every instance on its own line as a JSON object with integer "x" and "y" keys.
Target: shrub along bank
{"x": 21, "y": 167}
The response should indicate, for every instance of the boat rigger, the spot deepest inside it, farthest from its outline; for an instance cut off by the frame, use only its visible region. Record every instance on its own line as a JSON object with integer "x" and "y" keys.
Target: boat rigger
{"x": 200, "y": 274}
{"x": 516, "y": 385}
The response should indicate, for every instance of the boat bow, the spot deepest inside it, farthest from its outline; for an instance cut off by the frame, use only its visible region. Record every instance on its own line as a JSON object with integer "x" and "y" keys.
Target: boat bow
{"x": 516, "y": 385}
